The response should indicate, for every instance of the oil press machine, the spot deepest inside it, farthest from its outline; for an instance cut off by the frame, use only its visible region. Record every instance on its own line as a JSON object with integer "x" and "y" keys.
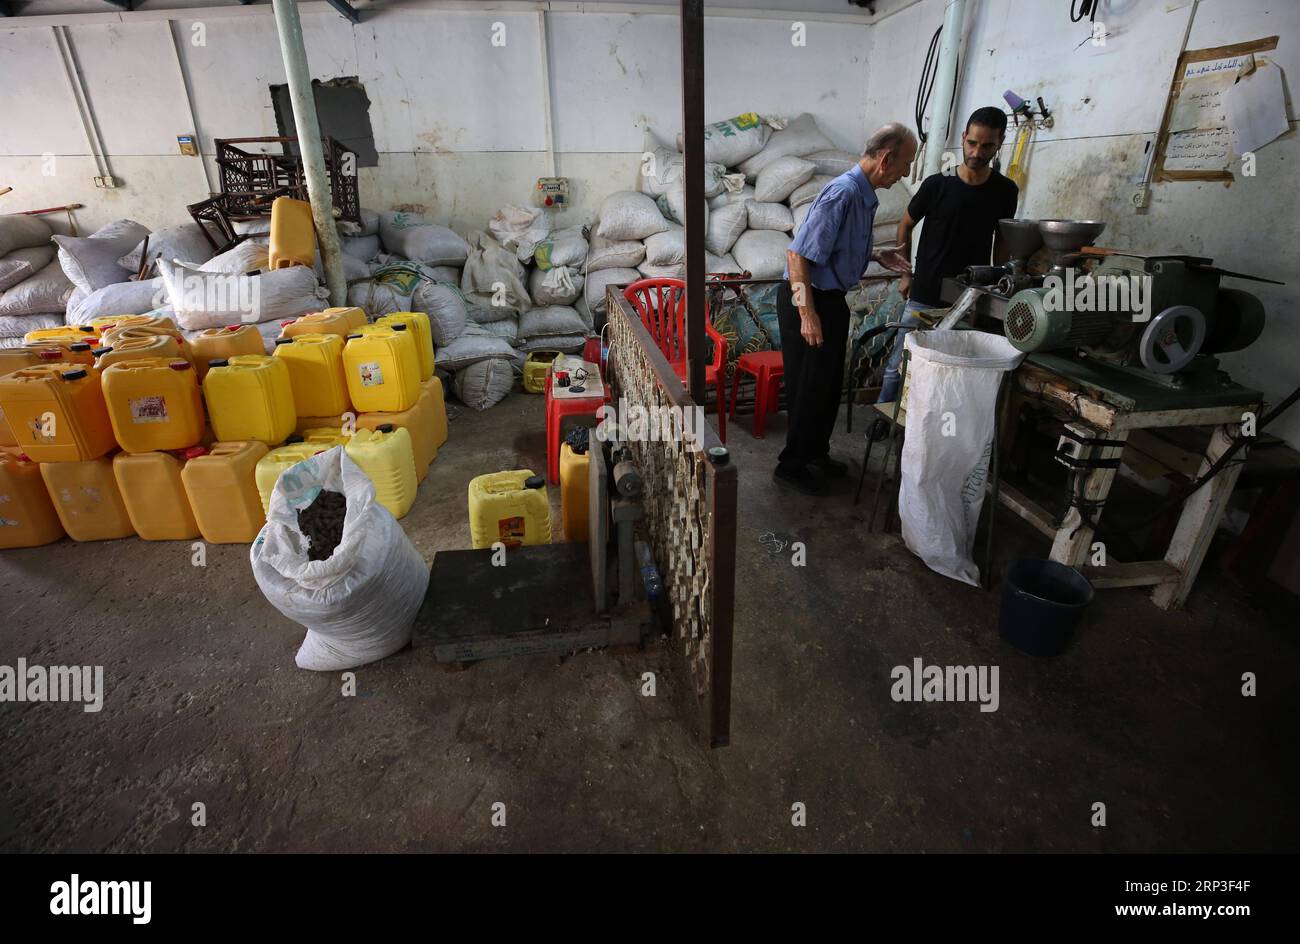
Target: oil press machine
{"x": 1119, "y": 342}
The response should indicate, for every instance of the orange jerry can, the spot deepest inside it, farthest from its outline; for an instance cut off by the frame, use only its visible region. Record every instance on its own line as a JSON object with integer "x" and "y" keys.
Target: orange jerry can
{"x": 29, "y": 355}
{"x": 293, "y": 234}
{"x": 87, "y": 499}
{"x": 434, "y": 386}
{"x": 222, "y": 489}
{"x": 27, "y": 516}
{"x": 154, "y": 496}
{"x": 331, "y": 321}
{"x": 127, "y": 349}
{"x": 420, "y": 421}
{"x": 212, "y": 344}
{"x": 56, "y": 412}
{"x": 154, "y": 404}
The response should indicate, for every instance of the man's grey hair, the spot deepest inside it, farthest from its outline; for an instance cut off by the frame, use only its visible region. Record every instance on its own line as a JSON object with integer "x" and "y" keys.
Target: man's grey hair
{"x": 891, "y": 137}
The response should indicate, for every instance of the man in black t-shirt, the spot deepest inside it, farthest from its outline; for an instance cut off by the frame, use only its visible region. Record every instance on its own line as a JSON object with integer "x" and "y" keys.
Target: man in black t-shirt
{"x": 961, "y": 213}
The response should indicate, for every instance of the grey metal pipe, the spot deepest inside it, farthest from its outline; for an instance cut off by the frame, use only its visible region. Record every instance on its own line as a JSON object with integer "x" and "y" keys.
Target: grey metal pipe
{"x": 298, "y": 74}
{"x": 945, "y": 81}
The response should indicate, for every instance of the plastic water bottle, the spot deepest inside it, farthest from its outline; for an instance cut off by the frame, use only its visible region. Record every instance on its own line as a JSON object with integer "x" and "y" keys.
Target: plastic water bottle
{"x": 649, "y": 572}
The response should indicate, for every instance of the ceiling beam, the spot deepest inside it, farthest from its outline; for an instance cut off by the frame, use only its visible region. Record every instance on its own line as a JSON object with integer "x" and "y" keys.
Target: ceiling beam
{"x": 121, "y": 4}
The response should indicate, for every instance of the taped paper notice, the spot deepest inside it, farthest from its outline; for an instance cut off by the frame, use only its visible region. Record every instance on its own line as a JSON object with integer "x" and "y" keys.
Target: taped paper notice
{"x": 1199, "y": 150}
{"x": 1200, "y": 104}
{"x": 1256, "y": 109}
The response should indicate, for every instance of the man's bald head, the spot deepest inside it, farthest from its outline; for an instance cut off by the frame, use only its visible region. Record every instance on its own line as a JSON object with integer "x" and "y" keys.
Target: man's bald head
{"x": 888, "y": 155}
{"x": 890, "y": 137}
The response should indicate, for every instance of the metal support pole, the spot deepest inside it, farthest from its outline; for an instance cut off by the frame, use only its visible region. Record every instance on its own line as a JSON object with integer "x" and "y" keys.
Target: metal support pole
{"x": 692, "y": 16}
{"x": 945, "y": 80}
{"x": 309, "y": 146}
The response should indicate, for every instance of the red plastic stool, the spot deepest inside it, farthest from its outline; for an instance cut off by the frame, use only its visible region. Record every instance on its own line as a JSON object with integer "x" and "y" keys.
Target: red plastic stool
{"x": 556, "y": 410}
{"x": 767, "y": 368}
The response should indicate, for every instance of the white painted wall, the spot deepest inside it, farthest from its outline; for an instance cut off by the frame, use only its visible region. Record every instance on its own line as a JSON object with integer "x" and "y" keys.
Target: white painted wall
{"x": 1108, "y": 102}
{"x": 458, "y": 122}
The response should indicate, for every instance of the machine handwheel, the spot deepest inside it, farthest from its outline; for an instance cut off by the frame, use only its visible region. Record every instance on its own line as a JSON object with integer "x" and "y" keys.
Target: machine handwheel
{"x": 1172, "y": 339}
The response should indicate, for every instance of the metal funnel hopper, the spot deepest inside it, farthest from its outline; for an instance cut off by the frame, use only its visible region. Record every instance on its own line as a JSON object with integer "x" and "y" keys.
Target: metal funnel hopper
{"x": 1022, "y": 237}
{"x": 1065, "y": 236}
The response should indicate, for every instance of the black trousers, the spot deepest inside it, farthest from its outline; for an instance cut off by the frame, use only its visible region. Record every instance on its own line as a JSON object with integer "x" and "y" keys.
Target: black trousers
{"x": 814, "y": 376}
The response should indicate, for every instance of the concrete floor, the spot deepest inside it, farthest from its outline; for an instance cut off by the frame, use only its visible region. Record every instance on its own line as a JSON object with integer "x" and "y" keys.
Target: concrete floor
{"x": 204, "y": 704}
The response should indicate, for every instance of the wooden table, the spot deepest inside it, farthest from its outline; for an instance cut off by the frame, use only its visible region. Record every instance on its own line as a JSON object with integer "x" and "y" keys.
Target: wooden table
{"x": 1097, "y": 413}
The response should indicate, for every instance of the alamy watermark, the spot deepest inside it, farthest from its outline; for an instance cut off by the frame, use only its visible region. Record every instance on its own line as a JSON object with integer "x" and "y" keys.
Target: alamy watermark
{"x": 638, "y": 423}
{"x": 1129, "y": 294}
{"x": 72, "y": 683}
{"x": 919, "y": 682}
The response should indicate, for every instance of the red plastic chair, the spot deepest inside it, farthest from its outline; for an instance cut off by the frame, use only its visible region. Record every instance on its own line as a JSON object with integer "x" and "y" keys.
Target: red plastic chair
{"x": 661, "y": 303}
{"x": 767, "y": 368}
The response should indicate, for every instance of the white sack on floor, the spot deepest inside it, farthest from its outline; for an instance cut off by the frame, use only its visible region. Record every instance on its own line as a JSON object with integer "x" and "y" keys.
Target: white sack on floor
{"x": 761, "y": 253}
{"x": 421, "y": 241}
{"x": 730, "y": 142}
{"x": 484, "y": 384}
{"x": 673, "y": 206}
{"x": 124, "y": 298}
{"x": 472, "y": 347}
{"x": 564, "y": 247}
{"x": 520, "y": 229}
{"x": 184, "y": 242}
{"x": 48, "y": 290}
{"x": 832, "y": 162}
{"x": 364, "y": 248}
{"x": 359, "y": 604}
{"x": 553, "y": 319}
{"x": 728, "y": 197}
{"x": 213, "y": 299}
{"x": 725, "y": 225}
{"x": 91, "y": 261}
{"x": 446, "y": 308}
{"x": 775, "y": 216}
{"x": 627, "y": 214}
{"x": 242, "y": 259}
{"x": 20, "y": 231}
{"x": 565, "y": 343}
{"x": 781, "y": 178}
{"x": 594, "y": 290}
{"x": 666, "y": 248}
{"x": 662, "y": 272}
{"x": 377, "y": 299}
{"x": 507, "y": 329}
{"x": 614, "y": 253}
{"x": 807, "y": 193}
{"x": 15, "y": 326}
{"x": 492, "y": 277}
{"x": 23, "y": 264}
{"x": 801, "y": 214}
{"x": 953, "y": 379}
{"x": 800, "y": 137}
{"x": 561, "y": 285}
{"x": 662, "y": 168}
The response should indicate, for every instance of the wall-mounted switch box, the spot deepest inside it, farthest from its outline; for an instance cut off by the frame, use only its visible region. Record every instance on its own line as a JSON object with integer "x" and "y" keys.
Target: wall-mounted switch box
{"x": 189, "y": 147}
{"x": 552, "y": 192}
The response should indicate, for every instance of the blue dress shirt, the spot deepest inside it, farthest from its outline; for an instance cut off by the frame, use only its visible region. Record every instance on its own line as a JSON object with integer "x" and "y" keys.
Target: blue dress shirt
{"x": 836, "y": 235}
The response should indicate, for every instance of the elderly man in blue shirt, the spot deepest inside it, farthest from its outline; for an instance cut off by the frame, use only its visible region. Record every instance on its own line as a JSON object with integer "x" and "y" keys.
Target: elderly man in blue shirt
{"x": 827, "y": 258}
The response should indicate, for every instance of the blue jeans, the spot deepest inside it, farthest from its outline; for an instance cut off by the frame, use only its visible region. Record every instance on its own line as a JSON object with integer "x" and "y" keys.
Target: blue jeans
{"x": 889, "y": 387}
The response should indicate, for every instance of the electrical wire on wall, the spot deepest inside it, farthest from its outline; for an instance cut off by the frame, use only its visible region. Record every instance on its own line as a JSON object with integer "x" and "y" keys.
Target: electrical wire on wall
{"x": 1086, "y": 8}
{"x": 929, "y": 70}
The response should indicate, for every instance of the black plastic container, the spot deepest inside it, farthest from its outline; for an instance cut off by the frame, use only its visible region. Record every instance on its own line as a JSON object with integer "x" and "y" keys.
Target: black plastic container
{"x": 1042, "y": 602}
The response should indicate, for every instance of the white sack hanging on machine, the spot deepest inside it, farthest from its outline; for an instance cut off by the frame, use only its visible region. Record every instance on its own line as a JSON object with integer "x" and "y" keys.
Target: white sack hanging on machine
{"x": 953, "y": 379}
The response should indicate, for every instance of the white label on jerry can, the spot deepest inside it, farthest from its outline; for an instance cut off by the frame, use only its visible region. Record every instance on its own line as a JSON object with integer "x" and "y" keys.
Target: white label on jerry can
{"x": 148, "y": 410}
{"x": 371, "y": 374}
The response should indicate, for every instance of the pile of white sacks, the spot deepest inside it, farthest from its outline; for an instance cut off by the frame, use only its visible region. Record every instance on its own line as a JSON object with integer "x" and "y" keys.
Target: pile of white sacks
{"x": 94, "y": 276}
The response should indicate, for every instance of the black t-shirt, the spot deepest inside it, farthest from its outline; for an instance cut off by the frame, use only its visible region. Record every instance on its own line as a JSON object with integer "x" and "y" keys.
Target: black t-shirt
{"x": 960, "y": 221}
